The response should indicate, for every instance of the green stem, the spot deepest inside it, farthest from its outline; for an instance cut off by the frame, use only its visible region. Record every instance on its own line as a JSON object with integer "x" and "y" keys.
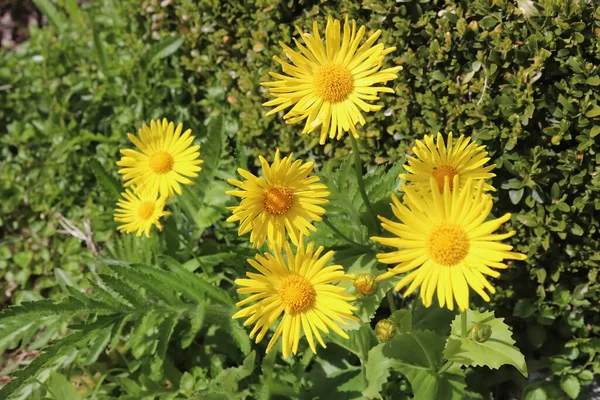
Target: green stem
{"x": 463, "y": 324}
{"x": 390, "y": 298}
{"x": 361, "y": 183}
{"x": 342, "y": 236}
{"x": 445, "y": 367}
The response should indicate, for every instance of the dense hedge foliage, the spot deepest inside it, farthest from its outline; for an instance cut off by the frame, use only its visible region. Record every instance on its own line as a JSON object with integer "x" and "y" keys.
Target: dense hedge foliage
{"x": 520, "y": 78}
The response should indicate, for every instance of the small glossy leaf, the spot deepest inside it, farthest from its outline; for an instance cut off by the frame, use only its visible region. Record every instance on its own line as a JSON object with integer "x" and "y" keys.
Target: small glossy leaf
{"x": 571, "y": 386}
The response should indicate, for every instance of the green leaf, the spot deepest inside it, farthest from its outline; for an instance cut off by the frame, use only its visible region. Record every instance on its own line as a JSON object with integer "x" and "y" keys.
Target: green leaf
{"x": 594, "y": 112}
{"x": 593, "y": 80}
{"x": 99, "y": 47}
{"x": 162, "y": 49}
{"x": 126, "y": 291}
{"x": 360, "y": 340}
{"x": 432, "y": 318}
{"x": 363, "y": 263}
{"x": 516, "y": 195}
{"x": 403, "y": 320}
{"x": 498, "y": 350}
{"x": 380, "y": 184}
{"x": 570, "y": 384}
{"x": 155, "y": 287}
{"x": 47, "y": 8}
{"x": 417, "y": 355}
{"x": 60, "y": 388}
{"x": 165, "y": 330}
{"x": 197, "y": 282}
{"x": 108, "y": 182}
{"x": 344, "y": 199}
{"x": 225, "y": 385}
{"x": 51, "y": 354}
{"x": 98, "y": 344}
{"x": 196, "y": 322}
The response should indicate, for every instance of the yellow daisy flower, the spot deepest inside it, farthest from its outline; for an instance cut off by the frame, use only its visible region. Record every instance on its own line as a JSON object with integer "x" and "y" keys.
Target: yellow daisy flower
{"x": 285, "y": 199}
{"x": 140, "y": 212}
{"x": 439, "y": 160}
{"x": 166, "y": 159}
{"x": 446, "y": 243}
{"x": 301, "y": 287}
{"x": 329, "y": 84}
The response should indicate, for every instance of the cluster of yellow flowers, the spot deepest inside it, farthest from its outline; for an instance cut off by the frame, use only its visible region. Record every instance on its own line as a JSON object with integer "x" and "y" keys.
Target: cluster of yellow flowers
{"x": 164, "y": 160}
{"x": 443, "y": 238}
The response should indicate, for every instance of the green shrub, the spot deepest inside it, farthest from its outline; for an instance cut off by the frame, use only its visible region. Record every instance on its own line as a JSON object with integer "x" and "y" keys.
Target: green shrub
{"x": 521, "y": 79}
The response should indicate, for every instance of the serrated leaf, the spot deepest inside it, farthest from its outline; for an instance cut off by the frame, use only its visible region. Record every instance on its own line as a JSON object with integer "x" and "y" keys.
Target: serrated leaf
{"x": 196, "y": 322}
{"x": 155, "y": 287}
{"x": 344, "y": 198}
{"x": 498, "y": 350}
{"x": 98, "y": 344}
{"x": 382, "y": 182}
{"x": 197, "y": 282}
{"x": 50, "y": 354}
{"x": 106, "y": 297}
{"x": 125, "y": 290}
{"x": 239, "y": 335}
{"x": 165, "y": 330}
{"x": 417, "y": 355}
{"x": 12, "y": 331}
{"x": 108, "y": 182}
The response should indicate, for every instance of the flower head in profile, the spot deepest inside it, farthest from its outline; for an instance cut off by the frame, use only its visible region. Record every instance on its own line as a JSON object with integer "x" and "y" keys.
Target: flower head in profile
{"x": 284, "y": 200}
{"x": 445, "y": 243}
{"x": 439, "y": 160}
{"x": 138, "y": 212}
{"x": 163, "y": 161}
{"x": 301, "y": 290}
{"x": 332, "y": 83}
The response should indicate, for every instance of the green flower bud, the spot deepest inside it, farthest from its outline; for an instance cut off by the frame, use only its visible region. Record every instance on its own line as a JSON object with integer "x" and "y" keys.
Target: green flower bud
{"x": 481, "y": 333}
{"x": 385, "y": 330}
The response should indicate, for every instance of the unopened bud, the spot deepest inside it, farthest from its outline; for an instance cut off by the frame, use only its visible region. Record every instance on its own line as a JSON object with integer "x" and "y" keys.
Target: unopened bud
{"x": 365, "y": 284}
{"x": 385, "y": 330}
{"x": 481, "y": 332}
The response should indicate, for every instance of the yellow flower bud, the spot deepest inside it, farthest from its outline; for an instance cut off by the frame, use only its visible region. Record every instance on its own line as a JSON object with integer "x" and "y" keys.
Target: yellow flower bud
{"x": 365, "y": 284}
{"x": 385, "y": 330}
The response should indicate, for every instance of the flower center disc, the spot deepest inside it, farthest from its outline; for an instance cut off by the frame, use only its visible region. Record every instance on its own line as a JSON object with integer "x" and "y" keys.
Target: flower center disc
{"x": 278, "y": 200}
{"x": 161, "y": 162}
{"x": 333, "y": 83}
{"x": 444, "y": 171}
{"x": 448, "y": 244}
{"x": 146, "y": 210}
{"x": 297, "y": 294}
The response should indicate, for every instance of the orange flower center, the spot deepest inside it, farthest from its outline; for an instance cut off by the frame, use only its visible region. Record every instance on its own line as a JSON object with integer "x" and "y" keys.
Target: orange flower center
{"x": 278, "y": 200}
{"x": 146, "y": 210}
{"x": 161, "y": 162}
{"x": 297, "y": 294}
{"x": 440, "y": 173}
{"x": 448, "y": 244}
{"x": 333, "y": 82}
